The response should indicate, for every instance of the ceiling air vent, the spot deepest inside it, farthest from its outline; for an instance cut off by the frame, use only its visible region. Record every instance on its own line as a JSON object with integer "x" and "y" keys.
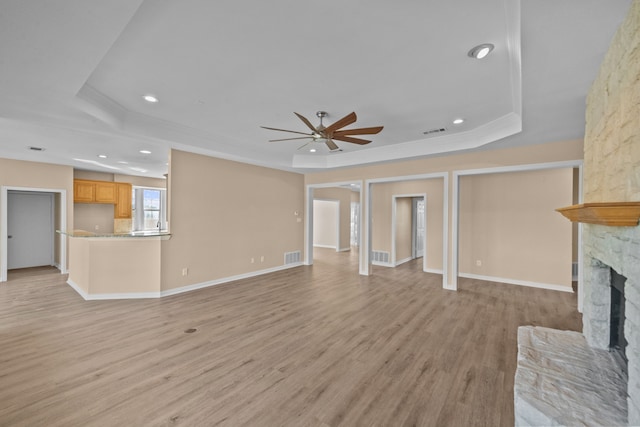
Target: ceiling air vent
{"x": 432, "y": 131}
{"x": 36, "y": 148}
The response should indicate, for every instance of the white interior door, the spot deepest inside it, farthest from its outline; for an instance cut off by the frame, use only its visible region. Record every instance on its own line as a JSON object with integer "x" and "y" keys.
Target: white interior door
{"x": 29, "y": 229}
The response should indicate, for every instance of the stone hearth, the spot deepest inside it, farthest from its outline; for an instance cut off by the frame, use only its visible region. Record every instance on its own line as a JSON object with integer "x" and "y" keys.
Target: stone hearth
{"x": 561, "y": 380}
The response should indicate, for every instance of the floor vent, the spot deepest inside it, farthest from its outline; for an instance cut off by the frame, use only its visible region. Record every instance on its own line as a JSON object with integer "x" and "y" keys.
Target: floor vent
{"x": 292, "y": 257}
{"x": 380, "y": 256}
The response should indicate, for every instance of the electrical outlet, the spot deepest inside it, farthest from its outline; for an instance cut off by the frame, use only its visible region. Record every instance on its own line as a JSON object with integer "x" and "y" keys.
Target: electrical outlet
{"x": 478, "y": 263}
{"x": 253, "y": 260}
{"x": 262, "y": 258}
{"x": 185, "y": 271}
{"x": 97, "y": 227}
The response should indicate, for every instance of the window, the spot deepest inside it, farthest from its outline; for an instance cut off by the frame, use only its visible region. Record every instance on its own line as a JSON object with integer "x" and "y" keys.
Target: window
{"x": 149, "y": 209}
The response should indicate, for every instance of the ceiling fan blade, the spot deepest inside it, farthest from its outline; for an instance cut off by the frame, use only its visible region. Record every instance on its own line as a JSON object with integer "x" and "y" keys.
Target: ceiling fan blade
{"x": 359, "y": 131}
{"x": 351, "y": 139}
{"x": 290, "y": 139}
{"x": 345, "y": 121}
{"x": 332, "y": 145}
{"x": 284, "y": 130}
{"x": 302, "y": 146}
{"x": 306, "y": 122}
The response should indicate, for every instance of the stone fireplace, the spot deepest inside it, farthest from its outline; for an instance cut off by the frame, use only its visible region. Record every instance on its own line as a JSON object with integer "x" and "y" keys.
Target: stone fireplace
{"x": 612, "y": 174}
{"x": 616, "y": 248}
{"x": 557, "y": 366}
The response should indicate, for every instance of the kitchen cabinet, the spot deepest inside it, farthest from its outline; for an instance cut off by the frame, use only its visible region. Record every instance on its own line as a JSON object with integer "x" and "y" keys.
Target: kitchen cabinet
{"x": 84, "y": 191}
{"x": 104, "y": 192}
{"x": 122, "y": 208}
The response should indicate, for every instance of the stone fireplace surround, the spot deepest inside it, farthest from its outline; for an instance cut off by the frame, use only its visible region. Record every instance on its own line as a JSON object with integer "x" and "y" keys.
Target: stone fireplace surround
{"x": 618, "y": 248}
{"x": 568, "y": 378}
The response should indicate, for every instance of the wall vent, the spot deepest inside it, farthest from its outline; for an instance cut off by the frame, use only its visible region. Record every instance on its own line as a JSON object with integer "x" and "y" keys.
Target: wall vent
{"x": 292, "y": 257}
{"x": 380, "y": 256}
{"x": 432, "y": 131}
{"x": 574, "y": 271}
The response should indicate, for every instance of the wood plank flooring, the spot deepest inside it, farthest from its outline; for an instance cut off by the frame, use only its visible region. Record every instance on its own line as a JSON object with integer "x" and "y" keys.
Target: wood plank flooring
{"x": 309, "y": 346}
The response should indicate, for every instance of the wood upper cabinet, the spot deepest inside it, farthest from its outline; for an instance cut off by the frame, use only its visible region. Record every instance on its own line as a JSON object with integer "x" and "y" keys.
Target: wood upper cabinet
{"x": 84, "y": 191}
{"x": 115, "y": 193}
{"x": 105, "y": 192}
{"x": 122, "y": 208}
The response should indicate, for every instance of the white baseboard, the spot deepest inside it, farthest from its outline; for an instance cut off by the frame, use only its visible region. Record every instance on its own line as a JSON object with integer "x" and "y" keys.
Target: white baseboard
{"x": 402, "y": 261}
{"x": 382, "y": 264}
{"x": 174, "y": 291}
{"x": 433, "y": 270}
{"x": 195, "y": 286}
{"x": 324, "y": 246}
{"x": 344, "y": 249}
{"x": 550, "y": 286}
{"x": 76, "y": 288}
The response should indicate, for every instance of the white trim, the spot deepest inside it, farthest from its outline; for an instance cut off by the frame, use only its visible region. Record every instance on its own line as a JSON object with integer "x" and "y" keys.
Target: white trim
{"x": 209, "y": 283}
{"x": 572, "y": 164}
{"x": 343, "y": 249}
{"x": 432, "y": 270}
{"x": 382, "y": 264}
{"x": 4, "y": 190}
{"x": 445, "y": 215}
{"x": 550, "y": 286}
{"x": 402, "y": 261}
{"x": 175, "y": 291}
{"x": 315, "y": 245}
{"x": 77, "y": 288}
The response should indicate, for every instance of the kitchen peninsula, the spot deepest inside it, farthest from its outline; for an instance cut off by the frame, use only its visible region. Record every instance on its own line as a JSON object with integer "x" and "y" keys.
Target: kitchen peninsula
{"x": 115, "y": 266}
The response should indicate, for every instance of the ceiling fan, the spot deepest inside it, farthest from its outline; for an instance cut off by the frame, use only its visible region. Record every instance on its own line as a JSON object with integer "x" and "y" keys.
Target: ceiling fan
{"x": 331, "y": 132}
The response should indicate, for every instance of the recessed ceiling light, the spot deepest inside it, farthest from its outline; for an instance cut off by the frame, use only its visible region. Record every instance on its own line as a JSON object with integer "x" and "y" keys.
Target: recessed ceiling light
{"x": 122, "y": 162}
{"x": 458, "y": 121}
{"x": 102, "y": 156}
{"x": 150, "y": 98}
{"x": 313, "y": 150}
{"x": 145, "y": 151}
{"x": 481, "y": 51}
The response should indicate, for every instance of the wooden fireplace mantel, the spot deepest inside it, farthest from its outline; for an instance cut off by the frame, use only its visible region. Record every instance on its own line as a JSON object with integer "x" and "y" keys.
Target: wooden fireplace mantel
{"x": 624, "y": 214}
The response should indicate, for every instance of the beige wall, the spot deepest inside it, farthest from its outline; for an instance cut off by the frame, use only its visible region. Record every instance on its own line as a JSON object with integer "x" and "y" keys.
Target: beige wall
{"x": 509, "y": 224}
{"x": 382, "y": 208}
{"x": 224, "y": 213}
{"x": 404, "y": 207}
{"x": 344, "y": 196}
{"x": 93, "y": 217}
{"x": 17, "y": 173}
{"x": 325, "y": 223}
{"x": 532, "y": 154}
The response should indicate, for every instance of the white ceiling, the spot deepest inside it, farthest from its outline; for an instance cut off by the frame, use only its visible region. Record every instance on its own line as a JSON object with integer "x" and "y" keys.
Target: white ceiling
{"x": 73, "y": 72}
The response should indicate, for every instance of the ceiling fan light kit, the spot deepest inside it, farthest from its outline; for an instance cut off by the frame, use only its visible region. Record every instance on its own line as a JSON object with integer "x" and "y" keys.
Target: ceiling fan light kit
{"x": 327, "y": 134}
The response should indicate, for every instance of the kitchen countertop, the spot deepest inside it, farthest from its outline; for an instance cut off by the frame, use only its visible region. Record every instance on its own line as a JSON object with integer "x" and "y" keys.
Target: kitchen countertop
{"x": 137, "y": 234}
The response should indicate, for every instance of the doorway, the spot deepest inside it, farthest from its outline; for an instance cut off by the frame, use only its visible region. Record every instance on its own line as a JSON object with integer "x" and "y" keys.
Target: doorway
{"x": 418, "y": 227}
{"x": 30, "y": 230}
{"x": 54, "y": 202}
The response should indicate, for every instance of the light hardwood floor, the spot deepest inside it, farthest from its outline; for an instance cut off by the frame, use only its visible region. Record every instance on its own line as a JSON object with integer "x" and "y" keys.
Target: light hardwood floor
{"x": 309, "y": 346}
